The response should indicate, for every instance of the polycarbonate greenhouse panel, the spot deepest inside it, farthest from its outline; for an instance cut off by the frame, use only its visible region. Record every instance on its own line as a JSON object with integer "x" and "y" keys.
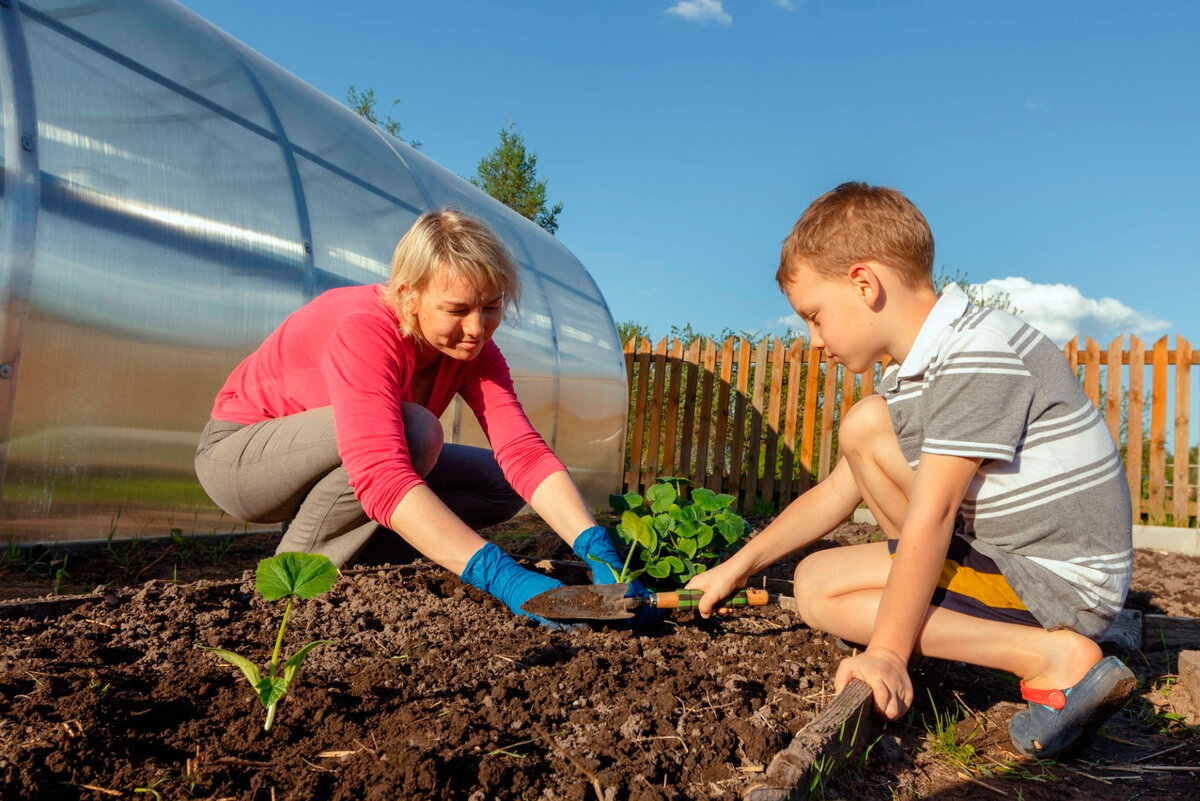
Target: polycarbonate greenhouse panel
{"x": 168, "y": 197}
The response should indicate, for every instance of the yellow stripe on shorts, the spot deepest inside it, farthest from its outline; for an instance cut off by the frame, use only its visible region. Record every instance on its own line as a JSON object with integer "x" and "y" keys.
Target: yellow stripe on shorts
{"x": 990, "y": 589}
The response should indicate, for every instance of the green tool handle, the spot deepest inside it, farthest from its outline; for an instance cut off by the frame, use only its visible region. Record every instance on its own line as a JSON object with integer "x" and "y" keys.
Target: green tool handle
{"x": 690, "y": 599}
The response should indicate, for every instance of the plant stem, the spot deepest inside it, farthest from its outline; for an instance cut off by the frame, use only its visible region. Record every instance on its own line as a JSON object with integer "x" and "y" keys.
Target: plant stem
{"x": 270, "y": 717}
{"x": 625, "y": 567}
{"x": 279, "y": 644}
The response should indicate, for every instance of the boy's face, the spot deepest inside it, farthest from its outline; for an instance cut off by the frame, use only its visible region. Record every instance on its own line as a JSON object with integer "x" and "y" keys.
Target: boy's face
{"x": 839, "y": 318}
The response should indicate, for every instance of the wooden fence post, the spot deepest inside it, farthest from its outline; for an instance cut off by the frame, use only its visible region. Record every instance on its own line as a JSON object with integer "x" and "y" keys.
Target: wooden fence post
{"x": 770, "y": 458}
{"x": 1158, "y": 433}
{"x": 692, "y": 358}
{"x": 791, "y": 412}
{"x": 1181, "y": 481}
{"x": 1134, "y": 431}
{"x": 670, "y": 438}
{"x": 1112, "y": 390}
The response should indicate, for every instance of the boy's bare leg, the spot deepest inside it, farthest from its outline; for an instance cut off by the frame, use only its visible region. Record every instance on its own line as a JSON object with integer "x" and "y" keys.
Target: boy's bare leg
{"x": 838, "y": 591}
{"x": 868, "y": 444}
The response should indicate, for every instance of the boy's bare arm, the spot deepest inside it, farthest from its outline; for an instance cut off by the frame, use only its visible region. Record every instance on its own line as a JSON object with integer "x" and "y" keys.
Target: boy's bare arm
{"x": 938, "y": 490}
{"x": 806, "y": 519}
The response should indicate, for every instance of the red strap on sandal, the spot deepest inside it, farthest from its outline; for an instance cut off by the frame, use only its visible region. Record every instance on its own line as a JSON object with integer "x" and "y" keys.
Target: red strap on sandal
{"x": 1055, "y": 699}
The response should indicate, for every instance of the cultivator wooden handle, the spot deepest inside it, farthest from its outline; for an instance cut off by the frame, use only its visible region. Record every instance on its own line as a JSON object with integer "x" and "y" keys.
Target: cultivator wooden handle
{"x": 690, "y": 599}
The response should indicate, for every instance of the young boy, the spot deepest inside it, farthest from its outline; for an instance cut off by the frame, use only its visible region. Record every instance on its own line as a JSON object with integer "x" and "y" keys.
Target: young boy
{"x": 1000, "y": 491}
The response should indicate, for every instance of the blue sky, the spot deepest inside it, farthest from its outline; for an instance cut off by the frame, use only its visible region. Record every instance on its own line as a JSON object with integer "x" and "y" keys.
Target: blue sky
{"x": 1052, "y": 146}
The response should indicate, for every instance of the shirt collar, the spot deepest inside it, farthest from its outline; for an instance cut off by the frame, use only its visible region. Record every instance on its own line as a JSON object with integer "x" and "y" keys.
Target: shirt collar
{"x": 951, "y": 305}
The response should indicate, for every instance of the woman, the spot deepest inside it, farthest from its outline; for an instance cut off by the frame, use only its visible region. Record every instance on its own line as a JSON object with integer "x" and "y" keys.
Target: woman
{"x": 332, "y": 424}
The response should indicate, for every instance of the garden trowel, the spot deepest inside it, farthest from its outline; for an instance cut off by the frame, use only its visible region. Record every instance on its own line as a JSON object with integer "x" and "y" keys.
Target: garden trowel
{"x": 608, "y": 601}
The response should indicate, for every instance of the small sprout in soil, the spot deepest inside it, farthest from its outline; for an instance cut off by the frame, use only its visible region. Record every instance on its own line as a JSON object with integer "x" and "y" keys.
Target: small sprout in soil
{"x": 678, "y": 536}
{"x": 290, "y": 575}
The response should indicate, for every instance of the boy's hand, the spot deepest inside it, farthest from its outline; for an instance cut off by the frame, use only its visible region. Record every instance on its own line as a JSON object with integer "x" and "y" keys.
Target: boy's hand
{"x": 717, "y": 584}
{"x": 887, "y": 675}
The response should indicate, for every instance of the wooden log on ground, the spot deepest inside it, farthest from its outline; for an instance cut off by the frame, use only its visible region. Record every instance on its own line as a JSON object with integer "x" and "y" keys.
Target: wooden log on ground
{"x": 1169, "y": 633}
{"x": 841, "y": 730}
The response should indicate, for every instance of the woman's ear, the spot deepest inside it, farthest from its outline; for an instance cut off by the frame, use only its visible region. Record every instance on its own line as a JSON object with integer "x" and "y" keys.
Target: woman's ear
{"x": 408, "y": 301}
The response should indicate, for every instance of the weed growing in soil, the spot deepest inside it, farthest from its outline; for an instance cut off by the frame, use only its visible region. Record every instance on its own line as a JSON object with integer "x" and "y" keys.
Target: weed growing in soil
{"x": 290, "y": 575}
{"x": 679, "y": 536}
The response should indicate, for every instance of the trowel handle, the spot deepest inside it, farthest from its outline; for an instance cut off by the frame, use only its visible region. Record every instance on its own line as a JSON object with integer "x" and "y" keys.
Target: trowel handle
{"x": 690, "y": 599}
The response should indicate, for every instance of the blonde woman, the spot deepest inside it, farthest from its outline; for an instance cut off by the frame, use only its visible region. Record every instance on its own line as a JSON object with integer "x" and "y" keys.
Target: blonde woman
{"x": 332, "y": 423}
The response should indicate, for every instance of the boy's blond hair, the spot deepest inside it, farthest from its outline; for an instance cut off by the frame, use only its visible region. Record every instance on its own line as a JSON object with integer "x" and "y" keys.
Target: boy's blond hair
{"x": 454, "y": 242}
{"x": 857, "y": 222}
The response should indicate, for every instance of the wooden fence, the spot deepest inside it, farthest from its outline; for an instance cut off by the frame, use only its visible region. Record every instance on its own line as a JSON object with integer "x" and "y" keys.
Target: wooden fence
{"x": 760, "y": 421}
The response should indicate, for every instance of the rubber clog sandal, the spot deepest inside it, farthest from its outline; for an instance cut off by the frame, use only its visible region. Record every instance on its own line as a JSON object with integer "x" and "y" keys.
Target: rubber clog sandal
{"x": 1060, "y": 722}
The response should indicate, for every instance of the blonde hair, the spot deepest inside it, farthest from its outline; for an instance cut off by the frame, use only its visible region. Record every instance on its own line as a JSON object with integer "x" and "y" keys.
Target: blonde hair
{"x": 460, "y": 247}
{"x": 857, "y": 222}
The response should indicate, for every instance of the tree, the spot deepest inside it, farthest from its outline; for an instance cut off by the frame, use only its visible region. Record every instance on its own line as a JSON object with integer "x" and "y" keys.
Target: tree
{"x": 629, "y": 329}
{"x": 975, "y": 294}
{"x": 509, "y": 174}
{"x": 363, "y": 104}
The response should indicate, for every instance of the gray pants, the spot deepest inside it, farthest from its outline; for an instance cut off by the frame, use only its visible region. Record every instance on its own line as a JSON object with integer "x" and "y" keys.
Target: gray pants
{"x": 288, "y": 469}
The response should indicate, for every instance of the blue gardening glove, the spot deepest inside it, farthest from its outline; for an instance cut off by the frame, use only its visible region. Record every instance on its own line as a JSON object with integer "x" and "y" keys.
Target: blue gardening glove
{"x": 498, "y": 574}
{"x": 596, "y": 550}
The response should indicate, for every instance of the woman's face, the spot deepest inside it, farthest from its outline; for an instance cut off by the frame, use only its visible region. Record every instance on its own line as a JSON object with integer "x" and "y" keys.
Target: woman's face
{"x": 456, "y": 318}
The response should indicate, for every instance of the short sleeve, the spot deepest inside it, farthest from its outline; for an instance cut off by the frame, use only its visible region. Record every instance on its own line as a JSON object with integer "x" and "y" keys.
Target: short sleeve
{"x": 978, "y": 398}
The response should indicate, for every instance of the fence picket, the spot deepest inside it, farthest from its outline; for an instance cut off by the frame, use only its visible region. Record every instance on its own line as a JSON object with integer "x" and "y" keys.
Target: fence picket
{"x": 791, "y": 412}
{"x": 670, "y": 441}
{"x": 830, "y": 404}
{"x": 1158, "y": 432}
{"x": 771, "y": 454}
{"x": 692, "y": 361}
{"x": 700, "y": 476}
{"x": 1181, "y": 480}
{"x": 656, "y": 410}
{"x": 1134, "y": 424}
{"x": 749, "y": 484}
{"x": 1112, "y": 390}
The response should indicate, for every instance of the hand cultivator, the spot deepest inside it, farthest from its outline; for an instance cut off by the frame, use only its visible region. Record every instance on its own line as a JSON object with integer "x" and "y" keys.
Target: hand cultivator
{"x": 608, "y": 602}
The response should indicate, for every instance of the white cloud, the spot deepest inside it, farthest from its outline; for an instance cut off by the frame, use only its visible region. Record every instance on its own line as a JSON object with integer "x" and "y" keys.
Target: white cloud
{"x": 786, "y": 5}
{"x": 701, "y": 11}
{"x": 1061, "y": 311}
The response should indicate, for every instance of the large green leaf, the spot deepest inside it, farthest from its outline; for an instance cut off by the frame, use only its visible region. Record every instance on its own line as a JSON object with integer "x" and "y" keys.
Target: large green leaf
{"x": 675, "y": 563}
{"x": 725, "y": 500}
{"x": 658, "y": 569}
{"x": 705, "y": 535}
{"x": 706, "y": 499}
{"x": 686, "y": 546}
{"x": 731, "y": 530}
{"x": 248, "y": 668}
{"x": 304, "y": 575}
{"x": 639, "y": 530}
{"x": 660, "y": 497}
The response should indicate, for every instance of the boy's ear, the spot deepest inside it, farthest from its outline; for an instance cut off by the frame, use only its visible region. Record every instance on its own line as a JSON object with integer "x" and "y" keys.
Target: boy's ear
{"x": 865, "y": 281}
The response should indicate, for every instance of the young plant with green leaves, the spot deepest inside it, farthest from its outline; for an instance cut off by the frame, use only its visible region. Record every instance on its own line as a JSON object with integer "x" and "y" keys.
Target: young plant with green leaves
{"x": 671, "y": 537}
{"x": 291, "y": 576}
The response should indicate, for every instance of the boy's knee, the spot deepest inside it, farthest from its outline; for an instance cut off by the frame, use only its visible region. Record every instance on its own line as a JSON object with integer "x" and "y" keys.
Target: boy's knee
{"x": 808, "y": 585}
{"x": 423, "y": 433}
{"x": 864, "y": 424}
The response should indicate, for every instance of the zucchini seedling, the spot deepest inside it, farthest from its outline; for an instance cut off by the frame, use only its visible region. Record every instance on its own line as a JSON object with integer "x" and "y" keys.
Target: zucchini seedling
{"x": 290, "y": 575}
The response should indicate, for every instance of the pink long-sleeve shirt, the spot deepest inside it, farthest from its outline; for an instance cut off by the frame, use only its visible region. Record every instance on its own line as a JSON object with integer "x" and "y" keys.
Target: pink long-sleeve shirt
{"x": 344, "y": 349}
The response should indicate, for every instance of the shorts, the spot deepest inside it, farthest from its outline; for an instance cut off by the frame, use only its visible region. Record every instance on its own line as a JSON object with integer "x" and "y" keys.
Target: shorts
{"x": 972, "y": 584}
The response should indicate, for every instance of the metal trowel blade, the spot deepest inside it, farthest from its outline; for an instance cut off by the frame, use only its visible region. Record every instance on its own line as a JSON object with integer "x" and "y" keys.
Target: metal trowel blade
{"x": 581, "y": 602}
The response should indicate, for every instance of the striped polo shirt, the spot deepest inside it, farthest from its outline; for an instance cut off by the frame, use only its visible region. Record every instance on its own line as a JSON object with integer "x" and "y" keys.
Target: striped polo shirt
{"x": 1050, "y": 502}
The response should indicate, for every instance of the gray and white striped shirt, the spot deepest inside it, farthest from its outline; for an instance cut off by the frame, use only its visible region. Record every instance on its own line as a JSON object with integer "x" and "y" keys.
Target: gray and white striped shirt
{"x": 1050, "y": 502}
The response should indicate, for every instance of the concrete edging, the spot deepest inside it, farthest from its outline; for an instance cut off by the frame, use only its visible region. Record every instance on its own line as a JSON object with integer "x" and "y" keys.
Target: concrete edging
{"x": 1183, "y": 541}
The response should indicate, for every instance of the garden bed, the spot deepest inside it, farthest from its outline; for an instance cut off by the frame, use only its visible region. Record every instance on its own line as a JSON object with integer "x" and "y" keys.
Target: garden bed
{"x": 433, "y": 690}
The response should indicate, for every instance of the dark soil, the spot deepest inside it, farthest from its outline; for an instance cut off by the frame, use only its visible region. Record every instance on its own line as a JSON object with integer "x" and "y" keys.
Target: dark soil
{"x": 432, "y": 690}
